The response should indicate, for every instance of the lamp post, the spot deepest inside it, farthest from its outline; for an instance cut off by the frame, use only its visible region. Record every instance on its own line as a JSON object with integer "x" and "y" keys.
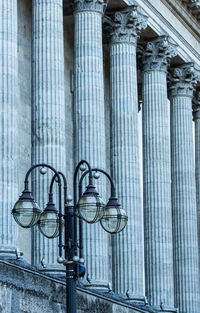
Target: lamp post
{"x": 89, "y": 208}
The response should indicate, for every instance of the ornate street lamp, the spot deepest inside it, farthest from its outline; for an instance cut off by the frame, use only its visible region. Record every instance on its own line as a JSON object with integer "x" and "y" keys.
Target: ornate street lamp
{"x": 91, "y": 209}
{"x": 26, "y": 212}
{"x": 114, "y": 219}
{"x": 48, "y": 223}
{"x": 91, "y": 206}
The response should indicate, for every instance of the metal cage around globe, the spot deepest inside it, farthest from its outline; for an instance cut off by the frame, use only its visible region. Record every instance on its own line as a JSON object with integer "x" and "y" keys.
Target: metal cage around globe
{"x": 26, "y": 211}
{"x": 114, "y": 219}
{"x": 91, "y": 206}
{"x": 48, "y": 223}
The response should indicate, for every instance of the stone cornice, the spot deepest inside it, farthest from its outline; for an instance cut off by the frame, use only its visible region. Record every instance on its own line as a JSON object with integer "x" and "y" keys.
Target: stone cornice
{"x": 187, "y": 50}
{"x": 182, "y": 80}
{"x": 156, "y": 54}
{"x": 125, "y": 26}
{"x": 183, "y": 14}
{"x": 90, "y": 5}
{"x": 194, "y": 6}
{"x": 196, "y": 106}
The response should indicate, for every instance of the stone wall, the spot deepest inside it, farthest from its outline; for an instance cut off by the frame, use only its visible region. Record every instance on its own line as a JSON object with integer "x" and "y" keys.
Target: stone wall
{"x": 25, "y": 291}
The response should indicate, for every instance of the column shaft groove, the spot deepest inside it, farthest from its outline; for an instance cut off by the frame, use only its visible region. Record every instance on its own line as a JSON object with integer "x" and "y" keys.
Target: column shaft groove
{"x": 182, "y": 81}
{"x": 90, "y": 126}
{"x": 8, "y": 126}
{"x": 197, "y": 173}
{"x": 48, "y": 139}
{"x": 196, "y": 118}
{"x": 184, "y": 206}
{"x": 157, "y": 190}
{"x": 128, "y": 263}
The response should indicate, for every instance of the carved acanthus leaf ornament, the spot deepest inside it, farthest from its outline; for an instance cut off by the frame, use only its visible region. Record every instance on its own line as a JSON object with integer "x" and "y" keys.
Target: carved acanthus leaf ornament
{"x": 90, "y": 5}
{"x": 182, "y": 80}
{"x": 126, "y": 25}
{"x": 156, "y": 54}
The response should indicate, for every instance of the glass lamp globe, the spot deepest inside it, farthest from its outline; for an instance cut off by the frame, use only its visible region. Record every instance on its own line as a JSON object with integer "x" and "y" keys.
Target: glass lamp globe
{"x": 48, "y": 223}
{"x": 114, "y": 219}
{"x": 91, "y": 206}
{"x": 26, "y": 212}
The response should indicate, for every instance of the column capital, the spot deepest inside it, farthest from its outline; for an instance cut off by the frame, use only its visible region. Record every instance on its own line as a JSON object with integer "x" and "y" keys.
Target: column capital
{"x": 156, "y": 54}
{"x": 125, "y": 26}
{"x": 182, "y": 80}
{"x": 196, "y": 106}
{"x": 90, "y": 5}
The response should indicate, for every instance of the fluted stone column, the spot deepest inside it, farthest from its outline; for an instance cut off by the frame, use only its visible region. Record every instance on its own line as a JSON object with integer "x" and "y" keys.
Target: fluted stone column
{"x": 187, "y": 296}
{"x": 48, "y": 140}
{"x": 90, "y": 120}
{"x": 128, "y": 246}
{"x": 157, "y": 174}
{"x": 8, "y": 126}
{"x": 196, "y": 118}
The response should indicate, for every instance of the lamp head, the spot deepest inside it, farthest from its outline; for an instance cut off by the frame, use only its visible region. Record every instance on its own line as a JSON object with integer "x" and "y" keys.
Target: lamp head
{"x": 26, "y": 212}
{"x": 114, "y": 219}
{"x": 90, "y": 205}
{"x": 48, "y": 223}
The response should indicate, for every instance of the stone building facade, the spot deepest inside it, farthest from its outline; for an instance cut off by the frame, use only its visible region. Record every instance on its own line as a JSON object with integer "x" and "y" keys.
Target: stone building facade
{"x": 116, "y": 83}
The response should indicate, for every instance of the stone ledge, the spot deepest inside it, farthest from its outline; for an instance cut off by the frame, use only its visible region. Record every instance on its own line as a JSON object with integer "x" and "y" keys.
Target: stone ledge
{"x": 24, "y": 290}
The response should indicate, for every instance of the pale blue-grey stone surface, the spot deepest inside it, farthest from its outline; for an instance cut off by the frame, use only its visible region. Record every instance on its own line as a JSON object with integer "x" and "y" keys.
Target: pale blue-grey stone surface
{"x": 128, "y": 254}
{"x": 48, "y": 140}
{"x": 157, "y": 174}
{"x": 27, "y": 291}
{"x": 8, "y": 125}
{"x": 90, "y": 121}
{"x": 186, "y": 272}
{"x": 24, "y": 13}
{"x": 23, "y": 106}
{"x": 196, "y": 117}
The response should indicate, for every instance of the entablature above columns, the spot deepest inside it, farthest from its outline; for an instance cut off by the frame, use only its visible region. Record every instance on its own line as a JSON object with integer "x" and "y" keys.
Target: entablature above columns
{"x": 194, "y": 6}
{"x": 157, "y": 25}
{"x": 164, "y": 17}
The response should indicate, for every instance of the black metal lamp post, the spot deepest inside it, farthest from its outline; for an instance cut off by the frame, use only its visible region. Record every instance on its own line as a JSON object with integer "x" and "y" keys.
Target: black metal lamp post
{"x": 89, "y": 207}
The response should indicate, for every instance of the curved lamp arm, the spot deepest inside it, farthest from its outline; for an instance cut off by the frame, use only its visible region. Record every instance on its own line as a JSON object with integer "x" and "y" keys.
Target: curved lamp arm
{"x": 113, "y": 189}
{"x": 75, "y": 177}
{"x": 75, "y": 195}
{"x": 60, "y": 211}
{"x": 56, "y": 174}
{"x": 40, "y": 165}
{"x": 64, "y": 185}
